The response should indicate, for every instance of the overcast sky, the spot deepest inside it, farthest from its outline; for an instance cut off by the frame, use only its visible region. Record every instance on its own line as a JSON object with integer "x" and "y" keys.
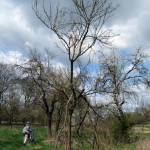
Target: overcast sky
{"x": 19, "y": 28}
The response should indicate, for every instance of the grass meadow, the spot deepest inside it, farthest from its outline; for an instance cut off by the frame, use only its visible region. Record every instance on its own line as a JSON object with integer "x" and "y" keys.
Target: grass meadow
{"x": 12, "y": 138}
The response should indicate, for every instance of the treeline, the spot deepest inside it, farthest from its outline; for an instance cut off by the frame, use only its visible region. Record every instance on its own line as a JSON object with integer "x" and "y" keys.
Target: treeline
{"x": 41, "y": 92}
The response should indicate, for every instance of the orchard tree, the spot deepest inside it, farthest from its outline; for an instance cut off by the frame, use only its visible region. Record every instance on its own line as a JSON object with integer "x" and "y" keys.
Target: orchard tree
{"x": 39, "y": 71}
{"x": 119, "y": 77}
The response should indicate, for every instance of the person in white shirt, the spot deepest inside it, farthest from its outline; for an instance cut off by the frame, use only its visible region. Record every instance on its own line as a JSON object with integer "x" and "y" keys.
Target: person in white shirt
{"x": 26, "y": 132}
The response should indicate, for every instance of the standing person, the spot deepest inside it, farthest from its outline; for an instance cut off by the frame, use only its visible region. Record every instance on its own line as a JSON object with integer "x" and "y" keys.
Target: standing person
{"x": 26, "y": 132}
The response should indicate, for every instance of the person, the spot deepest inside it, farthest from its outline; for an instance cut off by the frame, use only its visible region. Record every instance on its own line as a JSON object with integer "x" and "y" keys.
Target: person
{"x": 26, "y": 133}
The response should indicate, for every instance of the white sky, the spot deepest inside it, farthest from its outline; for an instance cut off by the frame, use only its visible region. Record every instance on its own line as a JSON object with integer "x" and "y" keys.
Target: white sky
{"x": 19, "y": 28}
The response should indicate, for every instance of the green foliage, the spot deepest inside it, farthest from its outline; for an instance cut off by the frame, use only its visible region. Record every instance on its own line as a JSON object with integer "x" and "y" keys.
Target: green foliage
{"x": 121, "y": 130}
{"x": 137, "y": 118}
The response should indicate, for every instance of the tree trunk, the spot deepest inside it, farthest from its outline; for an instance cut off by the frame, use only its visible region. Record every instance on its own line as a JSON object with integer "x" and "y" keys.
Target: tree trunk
{"x": 69, "y": 129}
{"x": 24, "y": 122}
{"x": 124, "y": 128}
{"x": 71, "y": 70}
{"x": 49, "y": 126}
{"x": 0, "y": 115}
{"x": 58, "y": 121}
{"x": 50, "y": 114}
{"x": 10, "y": 122}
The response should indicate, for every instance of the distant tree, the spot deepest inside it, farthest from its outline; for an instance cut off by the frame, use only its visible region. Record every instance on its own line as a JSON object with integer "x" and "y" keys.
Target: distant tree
{"x": 12, "y": 107}
{"x": 28, "y": 94}
{"x": 6, "y": 78}
{"x": 144, "y": 110}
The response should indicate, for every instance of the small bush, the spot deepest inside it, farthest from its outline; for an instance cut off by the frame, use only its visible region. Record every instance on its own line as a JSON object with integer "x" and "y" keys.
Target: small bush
{"x": 121, "y": 130}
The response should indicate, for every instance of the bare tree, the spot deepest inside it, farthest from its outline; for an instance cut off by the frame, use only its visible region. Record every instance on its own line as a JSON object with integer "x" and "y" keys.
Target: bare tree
{"x": 40, "y": 72}
{"x": 78, "y": 29}
{"x": 6, "y": 78}
{"x": 29, "y": 95}
{"x": 12, "y": 106}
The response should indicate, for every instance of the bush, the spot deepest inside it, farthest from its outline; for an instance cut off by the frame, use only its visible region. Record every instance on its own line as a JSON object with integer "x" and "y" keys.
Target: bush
{"x": 121, "y": 129}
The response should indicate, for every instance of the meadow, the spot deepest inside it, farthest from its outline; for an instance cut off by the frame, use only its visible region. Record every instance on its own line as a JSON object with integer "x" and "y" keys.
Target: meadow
{"x": 11, "y": 139}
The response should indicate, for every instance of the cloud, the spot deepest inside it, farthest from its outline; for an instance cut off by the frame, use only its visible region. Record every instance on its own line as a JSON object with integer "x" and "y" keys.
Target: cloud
{"x": 17, "y": 32}
{"x": 20, "y": 28}
{"x": 127, "y": 33}
{"x": 142, "y": 92}
{"x": 11, "y": 57}
{"x": 131, "y": 22}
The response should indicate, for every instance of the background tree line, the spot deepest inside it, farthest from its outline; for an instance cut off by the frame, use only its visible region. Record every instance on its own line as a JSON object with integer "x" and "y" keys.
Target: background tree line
{"x": 39, "y": 91}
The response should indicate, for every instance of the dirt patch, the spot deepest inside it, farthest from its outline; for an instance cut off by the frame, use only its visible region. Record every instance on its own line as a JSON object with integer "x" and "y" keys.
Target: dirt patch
{"x": 143, "y": 145}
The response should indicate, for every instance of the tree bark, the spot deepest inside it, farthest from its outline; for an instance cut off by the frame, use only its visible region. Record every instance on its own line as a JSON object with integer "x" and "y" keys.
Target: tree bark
{"x": 50, "y": 116}
{"x": 58, "y": 121}
{"x": 69, "y": 129}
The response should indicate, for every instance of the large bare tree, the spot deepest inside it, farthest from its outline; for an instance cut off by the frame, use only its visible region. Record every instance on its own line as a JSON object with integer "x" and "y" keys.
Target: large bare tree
{"x": 78, "y": 28}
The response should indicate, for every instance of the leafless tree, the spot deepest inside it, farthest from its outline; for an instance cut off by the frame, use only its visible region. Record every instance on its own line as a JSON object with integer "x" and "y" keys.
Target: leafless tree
{"x": 78, "y": 28}
{"x": 39, "y": 71}
{"x": 28, "y": 93}
{"x": 12, "y": 106}
{"x": 6, "y": 78}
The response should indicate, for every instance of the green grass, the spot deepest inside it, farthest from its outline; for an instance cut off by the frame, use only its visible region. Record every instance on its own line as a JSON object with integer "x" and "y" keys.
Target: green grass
{"x": 147, "y": 126}
{"x": 145, "y": 136}
{"x": 124, "y": 146}
{"x": 11, "y": 139}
